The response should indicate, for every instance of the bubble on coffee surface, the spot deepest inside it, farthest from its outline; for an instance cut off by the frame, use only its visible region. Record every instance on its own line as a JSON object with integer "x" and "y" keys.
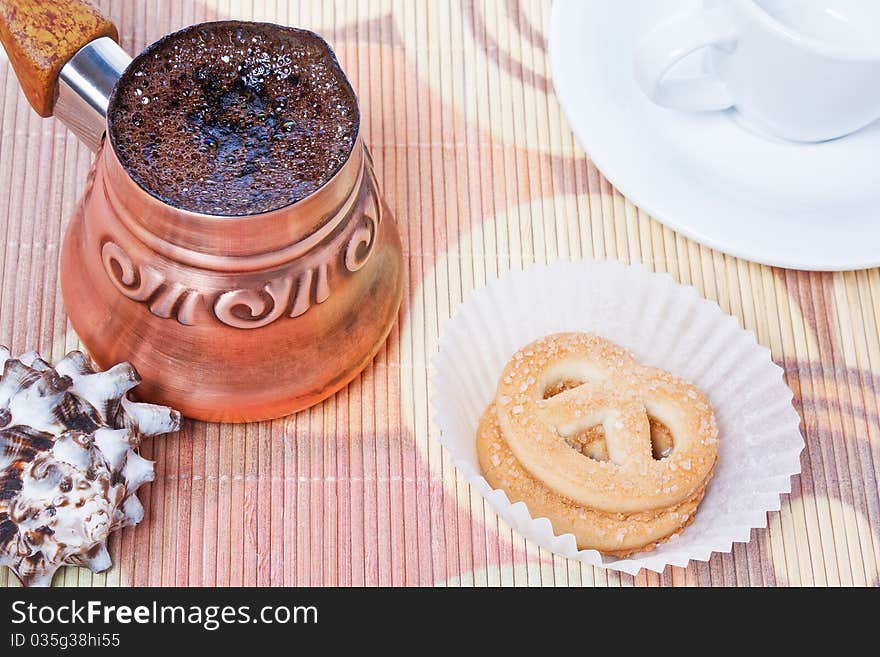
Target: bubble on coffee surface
{"x": 233, "y": 118}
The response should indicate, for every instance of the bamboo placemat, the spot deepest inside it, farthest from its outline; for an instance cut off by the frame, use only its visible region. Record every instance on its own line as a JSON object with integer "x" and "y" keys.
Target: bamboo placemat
{"x": 483, "y": 174}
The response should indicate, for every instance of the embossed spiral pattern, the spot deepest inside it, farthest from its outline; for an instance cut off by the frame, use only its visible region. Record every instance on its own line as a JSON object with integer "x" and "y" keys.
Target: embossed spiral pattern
{"x": 290, "y": 291}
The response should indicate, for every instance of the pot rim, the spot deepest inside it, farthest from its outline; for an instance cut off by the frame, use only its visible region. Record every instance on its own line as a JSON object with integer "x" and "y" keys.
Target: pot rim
{"x": 301, "y": 32}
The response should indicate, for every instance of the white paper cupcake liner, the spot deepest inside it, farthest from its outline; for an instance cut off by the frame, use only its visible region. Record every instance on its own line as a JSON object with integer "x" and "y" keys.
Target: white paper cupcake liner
{"x": 665, "y": 325}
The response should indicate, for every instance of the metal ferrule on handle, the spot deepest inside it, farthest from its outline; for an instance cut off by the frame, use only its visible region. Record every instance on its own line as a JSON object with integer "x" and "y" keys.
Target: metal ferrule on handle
{"x": 84, "y": 87}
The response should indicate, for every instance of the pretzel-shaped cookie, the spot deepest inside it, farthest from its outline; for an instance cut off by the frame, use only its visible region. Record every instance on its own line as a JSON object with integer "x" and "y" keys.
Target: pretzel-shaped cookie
{"x": 565, "y": 384}
{"x": 617, "y": 534}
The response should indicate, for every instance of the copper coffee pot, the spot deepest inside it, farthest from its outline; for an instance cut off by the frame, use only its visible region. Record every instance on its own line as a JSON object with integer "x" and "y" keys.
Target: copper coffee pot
{"x": 227, "y": 318}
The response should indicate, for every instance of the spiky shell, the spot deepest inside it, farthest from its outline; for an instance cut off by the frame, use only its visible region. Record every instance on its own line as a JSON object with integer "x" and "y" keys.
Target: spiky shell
{"x": 69, "y": 466}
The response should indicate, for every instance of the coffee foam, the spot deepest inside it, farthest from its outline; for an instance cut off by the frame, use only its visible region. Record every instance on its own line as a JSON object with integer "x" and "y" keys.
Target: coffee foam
{"x": 233, "y": 118}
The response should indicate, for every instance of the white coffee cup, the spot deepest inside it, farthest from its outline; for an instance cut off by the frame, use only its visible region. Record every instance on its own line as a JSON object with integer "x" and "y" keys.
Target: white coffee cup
{"x": 803, "y": 70}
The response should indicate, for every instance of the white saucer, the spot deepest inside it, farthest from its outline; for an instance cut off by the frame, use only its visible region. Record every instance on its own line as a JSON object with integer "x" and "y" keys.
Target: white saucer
{"x": 802, "y": 206}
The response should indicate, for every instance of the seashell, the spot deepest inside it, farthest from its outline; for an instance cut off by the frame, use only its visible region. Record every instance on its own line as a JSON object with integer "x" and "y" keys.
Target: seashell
{"x": 69, "y": 466}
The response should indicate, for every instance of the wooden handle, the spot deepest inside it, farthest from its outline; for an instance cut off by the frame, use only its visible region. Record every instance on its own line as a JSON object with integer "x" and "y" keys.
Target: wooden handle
{"x": 40, "y": 36}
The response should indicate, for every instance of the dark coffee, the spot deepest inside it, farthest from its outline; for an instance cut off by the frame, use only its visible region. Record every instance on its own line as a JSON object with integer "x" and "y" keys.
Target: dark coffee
{"x": 233, "y": 118}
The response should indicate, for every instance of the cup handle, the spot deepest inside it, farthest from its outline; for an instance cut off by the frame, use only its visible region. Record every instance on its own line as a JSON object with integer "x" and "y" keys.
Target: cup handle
{"x": 669, "y": 43}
